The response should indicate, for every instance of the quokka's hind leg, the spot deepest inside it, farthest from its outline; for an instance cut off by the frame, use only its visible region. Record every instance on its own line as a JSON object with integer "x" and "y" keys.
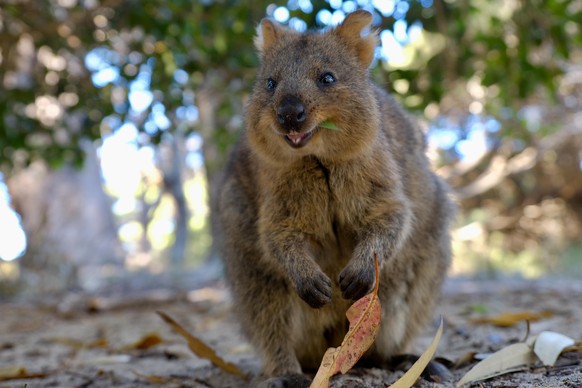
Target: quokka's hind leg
{"x": 267, "y": 317}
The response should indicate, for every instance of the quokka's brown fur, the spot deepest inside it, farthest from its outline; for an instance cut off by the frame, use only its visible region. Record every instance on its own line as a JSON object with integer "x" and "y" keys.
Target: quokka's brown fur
{"x": 303, "y": 208}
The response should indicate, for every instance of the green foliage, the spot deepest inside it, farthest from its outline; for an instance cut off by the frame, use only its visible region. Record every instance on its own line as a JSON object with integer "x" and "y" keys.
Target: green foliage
{"x": 498, "y": 53}
{"x": 42, "y": 102}
{"x": 329, "y": 125}
{"x": 50, "y": 102}
{"x": 481, "y": 57}
{"x": 494, "y": 54}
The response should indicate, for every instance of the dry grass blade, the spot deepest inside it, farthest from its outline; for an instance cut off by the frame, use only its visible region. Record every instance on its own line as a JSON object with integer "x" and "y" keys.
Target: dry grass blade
{"x": 202, "y": 350}
{"x": 410, "y": 377}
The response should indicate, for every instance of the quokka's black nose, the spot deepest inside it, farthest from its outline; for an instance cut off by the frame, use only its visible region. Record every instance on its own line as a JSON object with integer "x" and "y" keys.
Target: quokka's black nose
{"x": 290, "y": 112}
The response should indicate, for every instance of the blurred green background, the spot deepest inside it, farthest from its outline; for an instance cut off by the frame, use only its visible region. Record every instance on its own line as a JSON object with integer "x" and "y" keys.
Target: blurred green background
{"x": 116, "y": 117}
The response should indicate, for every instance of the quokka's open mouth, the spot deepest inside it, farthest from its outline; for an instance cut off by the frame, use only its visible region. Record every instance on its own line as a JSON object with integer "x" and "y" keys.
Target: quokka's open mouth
{"x": 298, "y": 140}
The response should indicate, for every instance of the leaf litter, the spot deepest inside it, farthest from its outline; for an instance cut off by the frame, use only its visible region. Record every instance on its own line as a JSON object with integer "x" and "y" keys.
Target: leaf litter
{"x": 545, "y": 348}
{"x": 31, "y": 357}
{"x": 17, "y": 373}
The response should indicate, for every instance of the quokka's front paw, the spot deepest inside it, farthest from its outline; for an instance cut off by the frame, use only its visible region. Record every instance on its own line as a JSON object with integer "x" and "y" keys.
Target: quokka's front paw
{"x": 314, "y": 288}
{"x": 357, "y": 278}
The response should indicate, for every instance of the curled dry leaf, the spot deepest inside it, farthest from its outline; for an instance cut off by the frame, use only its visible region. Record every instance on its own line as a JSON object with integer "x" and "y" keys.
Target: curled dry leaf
{"x": 202, "y": 350}
{"x": 509, "y": 359}
{"x": 549, "y": 345}
{"x": 364, "y": 317}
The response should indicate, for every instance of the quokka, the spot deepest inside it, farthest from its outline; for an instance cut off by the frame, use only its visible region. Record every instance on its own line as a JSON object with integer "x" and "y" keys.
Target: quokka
{"x": 303, "y": 208}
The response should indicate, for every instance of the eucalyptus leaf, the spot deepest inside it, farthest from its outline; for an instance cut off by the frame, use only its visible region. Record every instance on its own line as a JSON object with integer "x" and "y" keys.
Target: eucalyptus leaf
{"x": 509, "y": 359}
{"x": 329, "y": 125}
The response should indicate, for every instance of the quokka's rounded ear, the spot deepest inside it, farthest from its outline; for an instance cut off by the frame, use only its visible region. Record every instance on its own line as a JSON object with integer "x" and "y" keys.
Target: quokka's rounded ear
{"x": 268, "y": 32}
{"x": 351, "y": 30}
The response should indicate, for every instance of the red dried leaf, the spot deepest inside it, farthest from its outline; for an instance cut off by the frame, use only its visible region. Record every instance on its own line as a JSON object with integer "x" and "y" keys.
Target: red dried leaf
{"x": 364, "y": 317}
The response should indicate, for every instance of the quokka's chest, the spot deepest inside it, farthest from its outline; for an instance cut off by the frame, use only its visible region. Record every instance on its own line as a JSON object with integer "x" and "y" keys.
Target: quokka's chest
{"x": 321, "y": 197}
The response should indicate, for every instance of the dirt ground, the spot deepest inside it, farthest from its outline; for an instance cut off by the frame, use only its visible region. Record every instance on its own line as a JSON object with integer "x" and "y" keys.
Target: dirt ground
{"x": 88, "y": 341}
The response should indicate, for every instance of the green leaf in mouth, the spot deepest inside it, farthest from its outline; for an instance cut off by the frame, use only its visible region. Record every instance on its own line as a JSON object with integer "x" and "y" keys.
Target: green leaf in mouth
{"x": 329, "y": 125}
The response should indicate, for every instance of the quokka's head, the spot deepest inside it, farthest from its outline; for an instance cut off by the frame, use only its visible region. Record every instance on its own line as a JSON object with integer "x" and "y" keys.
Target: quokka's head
{"x": 308, "y": 80}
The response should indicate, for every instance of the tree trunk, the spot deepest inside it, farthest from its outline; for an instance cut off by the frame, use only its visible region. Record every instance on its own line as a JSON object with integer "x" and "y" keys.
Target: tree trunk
{"x": 70, "y": 228}
{"x": 172, "y": 168}
{"x": 208, "y": 101}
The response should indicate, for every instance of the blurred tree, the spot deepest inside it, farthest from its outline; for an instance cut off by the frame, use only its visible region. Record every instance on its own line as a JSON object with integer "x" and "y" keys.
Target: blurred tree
{"x": 47, "y": 107}
{"x": 508, "y": 74}
{"x": 80, "y": 69}
{"x": 72, "y": 236}
{"x": 69, "y": 70}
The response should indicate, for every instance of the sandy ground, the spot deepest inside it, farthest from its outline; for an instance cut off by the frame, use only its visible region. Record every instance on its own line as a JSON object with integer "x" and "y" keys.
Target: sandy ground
{"x": 87, "y": 341}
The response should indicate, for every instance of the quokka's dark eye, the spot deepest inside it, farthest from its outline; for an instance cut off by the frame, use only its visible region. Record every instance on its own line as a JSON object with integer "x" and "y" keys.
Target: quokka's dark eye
{"x": 326, "y": 78}
{"x": 270, "y": 84}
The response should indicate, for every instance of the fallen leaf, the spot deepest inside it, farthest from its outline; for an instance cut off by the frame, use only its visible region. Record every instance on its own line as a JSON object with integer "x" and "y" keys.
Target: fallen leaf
{"x": 14, "y": 372}
{"x": 549, "y": 345}
{"x": 510, "y": 319}
{"x": 78, "y": 344}
{"x": 153, "y": 379}
{"x": 465, "y": 359}
{"x": 329, "y": 125}
{"x": 200, "y": 349}
{"x": 364, "y": 317}
{"x": 18, "y": 372}
{"x": 577, "y": 347}
{"x": 509, "y": 359}
{"x": 105, "y": 360}
{"x": 146, "y": 342}
{"x": 410, "y": 377}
